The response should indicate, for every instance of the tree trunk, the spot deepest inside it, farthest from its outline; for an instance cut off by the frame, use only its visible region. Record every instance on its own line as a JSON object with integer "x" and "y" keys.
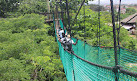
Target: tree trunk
{"x": 48, "y": 9}
{"x": 57, "y": 21}
{"x": 35, "y": 76}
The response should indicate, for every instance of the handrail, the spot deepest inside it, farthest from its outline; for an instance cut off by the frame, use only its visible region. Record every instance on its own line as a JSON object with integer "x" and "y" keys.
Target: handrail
{"x": 128, "y": 72}
{"x": 127, "y": 49}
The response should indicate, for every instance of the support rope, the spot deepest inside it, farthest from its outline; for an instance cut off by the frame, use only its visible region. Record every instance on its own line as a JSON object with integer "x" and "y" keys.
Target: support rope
{"x": 118, "y": 31}
{"x": 78, "y": 11}
{"x": 115, "y": 44}
{"x": 84, "y": 30}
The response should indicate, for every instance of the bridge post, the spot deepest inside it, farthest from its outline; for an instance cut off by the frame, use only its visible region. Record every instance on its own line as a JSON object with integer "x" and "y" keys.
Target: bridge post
{"x": 115, "y": 44}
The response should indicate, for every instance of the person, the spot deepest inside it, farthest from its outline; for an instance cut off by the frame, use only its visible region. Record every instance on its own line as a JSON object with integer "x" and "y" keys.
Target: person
{"x": 68, "y": 43}
{"x": 58, "y": 29}
{"x": 61, "y": 31}
{"x": 61, "y": 36}
{"x": 62, "y": 40}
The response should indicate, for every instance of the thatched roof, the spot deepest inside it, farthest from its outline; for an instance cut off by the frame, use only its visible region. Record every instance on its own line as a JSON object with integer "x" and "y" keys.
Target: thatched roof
{"x": 130, "y": 19}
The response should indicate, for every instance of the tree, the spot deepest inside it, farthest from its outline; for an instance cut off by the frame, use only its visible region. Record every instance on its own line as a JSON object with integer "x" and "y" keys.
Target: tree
{"x": 130, "y": 10}
{"x": 13, "y": 69}
{"x": 96, "y": 7}
{"x": 27, "y": 51}
{"x": 48, "y": 6}
{"x": 7, "y": 6}
{"x": 33, "y": 6}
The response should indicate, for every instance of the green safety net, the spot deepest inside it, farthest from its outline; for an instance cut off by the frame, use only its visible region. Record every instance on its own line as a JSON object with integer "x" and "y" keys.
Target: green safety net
{"x": 77, "y": 69}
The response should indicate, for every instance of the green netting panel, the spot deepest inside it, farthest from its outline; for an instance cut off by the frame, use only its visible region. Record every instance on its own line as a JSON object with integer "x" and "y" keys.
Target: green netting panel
{"x": 79, "y": 48}
{"x": 61, "y": 24}
{"x": 83, "y": 71}
{"x": 63, "y": 58}
{"x": 87, "y": 72}
{"x": 60, "y": 51}
{"x": 128, "y": 60}
{"x": 103, "y": 56}
{"x": 91, "y": 53}
{"x": 75, "y": 47}
{"x": 106, "y": 56}
{"x": 67, "y": 60}
{"x": 69, "y": 66}
{"x": 124, "y": 77}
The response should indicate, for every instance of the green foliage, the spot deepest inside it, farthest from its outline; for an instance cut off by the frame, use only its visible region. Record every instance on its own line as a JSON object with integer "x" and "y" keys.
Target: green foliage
{"x": 22, "y": 23}
{"x": 96, "y": 7}
{"x": 130, "y": 10}
{"x": 13, "y": 69}
{"x": 92, "y": 26}
{"x": 15, "y": 8}
{"x": 127, "y": 41}
{"x": 33, "y": 6}
{"x": 27, "y": 51}
{"x": 8, "y": 5}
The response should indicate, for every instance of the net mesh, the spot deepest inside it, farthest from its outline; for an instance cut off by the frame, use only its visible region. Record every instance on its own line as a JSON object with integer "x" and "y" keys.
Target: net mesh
{"x": 77, "y": 69}
{"x": 124, "y": 77}
{"x": 128, "y": 60}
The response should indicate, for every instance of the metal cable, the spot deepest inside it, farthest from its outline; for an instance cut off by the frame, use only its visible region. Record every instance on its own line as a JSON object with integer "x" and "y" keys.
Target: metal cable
{"x": 78, "y": 12}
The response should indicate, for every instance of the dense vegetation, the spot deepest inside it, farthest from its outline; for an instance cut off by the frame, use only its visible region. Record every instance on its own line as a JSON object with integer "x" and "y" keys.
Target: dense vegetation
{"x": 18, "y": 7}
{"x": 27, "y": 52}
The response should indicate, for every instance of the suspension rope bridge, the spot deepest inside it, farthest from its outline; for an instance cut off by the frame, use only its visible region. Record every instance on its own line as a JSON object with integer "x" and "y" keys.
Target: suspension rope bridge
{"x": 96, "y": 63}
{"x": 87, "y": 65}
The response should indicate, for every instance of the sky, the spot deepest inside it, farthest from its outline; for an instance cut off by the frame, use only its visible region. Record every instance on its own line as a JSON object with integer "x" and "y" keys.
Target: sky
{"x": 115, "y": 2}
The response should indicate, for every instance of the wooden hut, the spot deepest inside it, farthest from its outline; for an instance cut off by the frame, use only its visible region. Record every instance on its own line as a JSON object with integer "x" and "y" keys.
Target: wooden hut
{"x": 130, "y": 22}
